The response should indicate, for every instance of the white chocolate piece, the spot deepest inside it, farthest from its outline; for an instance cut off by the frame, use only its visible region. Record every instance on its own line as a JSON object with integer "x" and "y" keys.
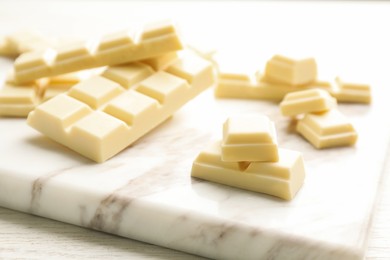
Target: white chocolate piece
{"x": 244, "y": 88}
{"x": 96, "y": 91}
{"x": 98, "y": 118}
{"x": 352, "y": 92}
{"x": 17, "y": 101}
{"x": 193, "y": 69}
{"x": 249, "y": 138}
{"x": 307, "y": 101}
{"x": 156, "y": 40}
{"x": 328, "y": 129}
{"x": 128, "y": 75}
{"x": 282, "y": 179}
{"x": 291, "y": 71}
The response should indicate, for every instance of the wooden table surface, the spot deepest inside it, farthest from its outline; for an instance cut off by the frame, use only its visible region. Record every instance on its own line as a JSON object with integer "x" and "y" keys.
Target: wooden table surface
{"x": 24, "y": 236}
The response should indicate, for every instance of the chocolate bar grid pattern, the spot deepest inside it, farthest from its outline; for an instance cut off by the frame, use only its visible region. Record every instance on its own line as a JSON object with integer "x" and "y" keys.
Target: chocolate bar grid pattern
{"x": 100, "y": 122}
{"x": 113, "y": 49}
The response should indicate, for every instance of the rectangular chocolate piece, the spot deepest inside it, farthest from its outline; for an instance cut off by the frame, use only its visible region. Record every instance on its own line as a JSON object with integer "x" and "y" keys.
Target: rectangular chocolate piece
{"x": 282, "y": 179}
{"x": 294, "y": 72}
{"x": 352, "y": 92}
{"x": 328, "y": 129}
{"x": 249, "y": 138}
{"x": 307, "y": 101}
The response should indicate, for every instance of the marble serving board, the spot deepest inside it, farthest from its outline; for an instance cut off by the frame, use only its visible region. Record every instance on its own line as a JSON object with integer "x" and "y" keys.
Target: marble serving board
{"x": 146, "y": 192}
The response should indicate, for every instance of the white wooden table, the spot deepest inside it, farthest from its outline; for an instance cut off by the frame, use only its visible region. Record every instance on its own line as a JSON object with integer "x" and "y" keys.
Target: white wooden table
{"x": 23, "y": 236}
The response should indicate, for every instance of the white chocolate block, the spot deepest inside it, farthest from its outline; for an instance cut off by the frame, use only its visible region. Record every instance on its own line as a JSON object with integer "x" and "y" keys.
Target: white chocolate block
{"x": 17, "y": 101}
{"x": 128, "y": 75}
{"x": 156, "y": 40}
{"x": 249, "y": 138}
{"x": 307, "y": 101}
{"x": 98, "y": 118}
{"x": 96, "y": 91}
{"x": 352, "y": 92}
{"x": 249, "y": 89}
{"x": 291, "y": 71}
{"x": 282, "y": 179}
{"x": 163, "y": 87}
{"x": 328, "y": 129}
{"x": 192, "y": 68}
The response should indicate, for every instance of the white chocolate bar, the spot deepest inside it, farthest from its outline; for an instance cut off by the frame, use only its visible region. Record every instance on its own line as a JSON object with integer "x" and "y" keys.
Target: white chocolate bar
{"x": 352, "y": 92}
{"x": 328, "y": 129}
{"x": 155, "y": 40}
{"x": 281, "y": 69}
{"x": 307, "y": 101}
{"x": 98, "y": 117}
{"x": 249, "y": 138}
{"x": 282, "y": 179}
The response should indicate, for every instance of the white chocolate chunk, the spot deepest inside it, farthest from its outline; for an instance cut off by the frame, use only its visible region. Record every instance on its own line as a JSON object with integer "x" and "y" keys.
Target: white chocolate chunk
{"x": 95, "y": 91}
{"x": 192, "y": 68}
{"x": 307, "y": 101}
{"x": 352, "y": 92}
{"x": 282, "y": 179}
{"x": 17, "y": 101}
{"x": 327, "y": 129}
{"x": 97, "y": 118}
{"x": 163, "y": 87}
{"x": 291, "y": 71}
{"x": 132, "y": 107}
{"x": 249, "y": 138}
{"x": 113, "y": 49}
